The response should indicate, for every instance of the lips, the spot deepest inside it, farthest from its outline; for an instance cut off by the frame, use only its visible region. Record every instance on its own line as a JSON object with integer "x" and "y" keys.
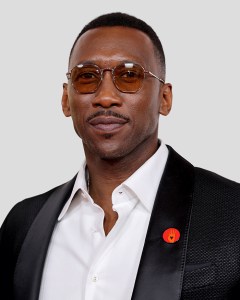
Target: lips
{"x": 105, "y": 123}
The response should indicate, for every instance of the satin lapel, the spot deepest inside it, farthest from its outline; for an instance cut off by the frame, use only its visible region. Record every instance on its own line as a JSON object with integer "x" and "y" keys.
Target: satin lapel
{"x": 28, "y": 273}
{"x": 162, "y": 265}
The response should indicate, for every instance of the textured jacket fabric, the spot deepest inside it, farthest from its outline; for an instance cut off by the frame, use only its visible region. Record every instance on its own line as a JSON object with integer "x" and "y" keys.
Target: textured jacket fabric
{"x": 204, "y": 264}
{"x": 214, "y": 240}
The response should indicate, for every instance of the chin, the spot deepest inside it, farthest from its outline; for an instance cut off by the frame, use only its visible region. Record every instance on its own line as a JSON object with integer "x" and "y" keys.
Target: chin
{"x": 107, "y": 151}
{"x": 110, "y": 155}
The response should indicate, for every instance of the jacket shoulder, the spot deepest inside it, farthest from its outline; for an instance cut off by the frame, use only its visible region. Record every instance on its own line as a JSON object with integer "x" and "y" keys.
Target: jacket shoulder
{"x": 12, "y": 233}
{"x": 19, "y": 220}
{"x": 21, "y": 216}
{"x": 209, "y": 179}
{"x": 25, "y": 210}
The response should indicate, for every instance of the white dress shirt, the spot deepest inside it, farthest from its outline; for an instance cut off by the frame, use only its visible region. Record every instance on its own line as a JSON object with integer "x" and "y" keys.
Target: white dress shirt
{"x": 83, "y": 263}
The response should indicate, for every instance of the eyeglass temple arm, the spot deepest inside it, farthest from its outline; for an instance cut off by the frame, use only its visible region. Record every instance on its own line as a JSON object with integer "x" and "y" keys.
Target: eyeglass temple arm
{"x": 150, "y": 73}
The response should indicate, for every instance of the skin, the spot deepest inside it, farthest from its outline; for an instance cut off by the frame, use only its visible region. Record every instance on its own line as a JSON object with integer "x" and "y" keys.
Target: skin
{"x": 115, "y": 147}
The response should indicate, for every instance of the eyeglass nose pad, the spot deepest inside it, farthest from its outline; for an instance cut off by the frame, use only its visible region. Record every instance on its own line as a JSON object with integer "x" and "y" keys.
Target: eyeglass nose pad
{"x": 107, "y": 78}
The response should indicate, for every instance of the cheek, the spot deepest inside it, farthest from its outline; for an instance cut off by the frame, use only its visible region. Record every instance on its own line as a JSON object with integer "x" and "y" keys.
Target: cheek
{"x": 79, "y": 104}
{"x": 79, "y": 110}
{"x": 150, "y": 113}
{"x": 147, "y": 107}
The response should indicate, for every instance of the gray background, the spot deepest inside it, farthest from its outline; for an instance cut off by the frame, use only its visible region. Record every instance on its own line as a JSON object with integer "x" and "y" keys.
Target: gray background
{"x": 39, "y": 148}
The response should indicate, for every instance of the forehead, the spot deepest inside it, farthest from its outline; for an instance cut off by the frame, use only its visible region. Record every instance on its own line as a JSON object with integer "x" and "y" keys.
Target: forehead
{"x": 109, "y": 45}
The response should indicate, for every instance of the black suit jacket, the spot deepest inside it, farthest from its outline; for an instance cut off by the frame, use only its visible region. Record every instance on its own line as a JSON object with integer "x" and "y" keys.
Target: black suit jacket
{"x": 203, "y": 264}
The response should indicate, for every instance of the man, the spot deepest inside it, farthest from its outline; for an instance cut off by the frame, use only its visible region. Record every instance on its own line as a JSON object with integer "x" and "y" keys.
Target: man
{"x": 138, "y": 221}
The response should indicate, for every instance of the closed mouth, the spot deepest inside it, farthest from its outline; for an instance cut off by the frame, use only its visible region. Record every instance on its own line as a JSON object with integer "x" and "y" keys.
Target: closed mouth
{"x": 107, "y": 123}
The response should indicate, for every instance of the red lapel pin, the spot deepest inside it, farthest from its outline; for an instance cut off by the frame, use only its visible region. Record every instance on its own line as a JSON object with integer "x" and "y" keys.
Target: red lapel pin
{"x": 171, "y": 235}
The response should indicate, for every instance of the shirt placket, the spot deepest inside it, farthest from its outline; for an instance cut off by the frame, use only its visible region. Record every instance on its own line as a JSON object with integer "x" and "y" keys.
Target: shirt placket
{"x": 103, "y": 246}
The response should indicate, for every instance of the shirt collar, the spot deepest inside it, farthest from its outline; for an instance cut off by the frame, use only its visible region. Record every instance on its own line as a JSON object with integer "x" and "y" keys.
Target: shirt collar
{"x": 143, "y": 182}
{"x": 80, "y": 184}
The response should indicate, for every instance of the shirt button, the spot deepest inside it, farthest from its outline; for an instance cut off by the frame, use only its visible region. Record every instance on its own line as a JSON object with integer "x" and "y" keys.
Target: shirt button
{"x": 94, "y": 230}
{"x": 94, "y": 278}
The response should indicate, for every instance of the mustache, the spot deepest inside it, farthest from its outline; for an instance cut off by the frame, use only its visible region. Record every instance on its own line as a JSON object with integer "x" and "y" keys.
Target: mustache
{"x": 107, "y": 113}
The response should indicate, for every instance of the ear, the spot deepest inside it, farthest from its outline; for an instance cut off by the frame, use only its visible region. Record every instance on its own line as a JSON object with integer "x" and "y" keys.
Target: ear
{"x": 65, "y": 101}
{"x": 166, "y": 99}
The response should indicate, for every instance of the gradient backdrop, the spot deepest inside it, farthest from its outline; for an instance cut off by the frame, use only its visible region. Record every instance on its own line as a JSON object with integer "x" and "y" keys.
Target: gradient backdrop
{"x": 39, "y": 148}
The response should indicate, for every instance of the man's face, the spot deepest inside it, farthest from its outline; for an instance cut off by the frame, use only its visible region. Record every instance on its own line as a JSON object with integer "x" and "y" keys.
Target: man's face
{"x": 126, "y": 121}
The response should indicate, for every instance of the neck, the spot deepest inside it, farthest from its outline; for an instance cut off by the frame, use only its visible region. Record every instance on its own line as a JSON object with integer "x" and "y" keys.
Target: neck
{"x": 106, "y": 174}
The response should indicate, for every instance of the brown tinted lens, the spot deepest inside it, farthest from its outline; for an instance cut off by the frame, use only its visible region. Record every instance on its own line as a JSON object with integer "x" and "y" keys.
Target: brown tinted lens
{"x": 85, "y": 78}
{"x": 128, "y": 77}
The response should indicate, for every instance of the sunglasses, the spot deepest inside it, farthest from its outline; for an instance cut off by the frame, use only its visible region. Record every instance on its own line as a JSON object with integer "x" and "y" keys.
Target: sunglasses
{"x": 127, "y": 77}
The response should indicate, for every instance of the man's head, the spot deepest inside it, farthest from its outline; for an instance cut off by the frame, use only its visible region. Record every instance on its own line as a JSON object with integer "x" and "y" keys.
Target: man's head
{"x": 125, "y": 20}
{"x": 114, "y": 122}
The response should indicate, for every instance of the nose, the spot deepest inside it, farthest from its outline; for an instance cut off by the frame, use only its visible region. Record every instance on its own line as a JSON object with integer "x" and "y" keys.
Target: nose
{"x": 107, "y": 95}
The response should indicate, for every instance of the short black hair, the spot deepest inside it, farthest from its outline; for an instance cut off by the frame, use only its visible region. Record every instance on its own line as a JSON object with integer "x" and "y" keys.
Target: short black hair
{"x": 126, "y": 20}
